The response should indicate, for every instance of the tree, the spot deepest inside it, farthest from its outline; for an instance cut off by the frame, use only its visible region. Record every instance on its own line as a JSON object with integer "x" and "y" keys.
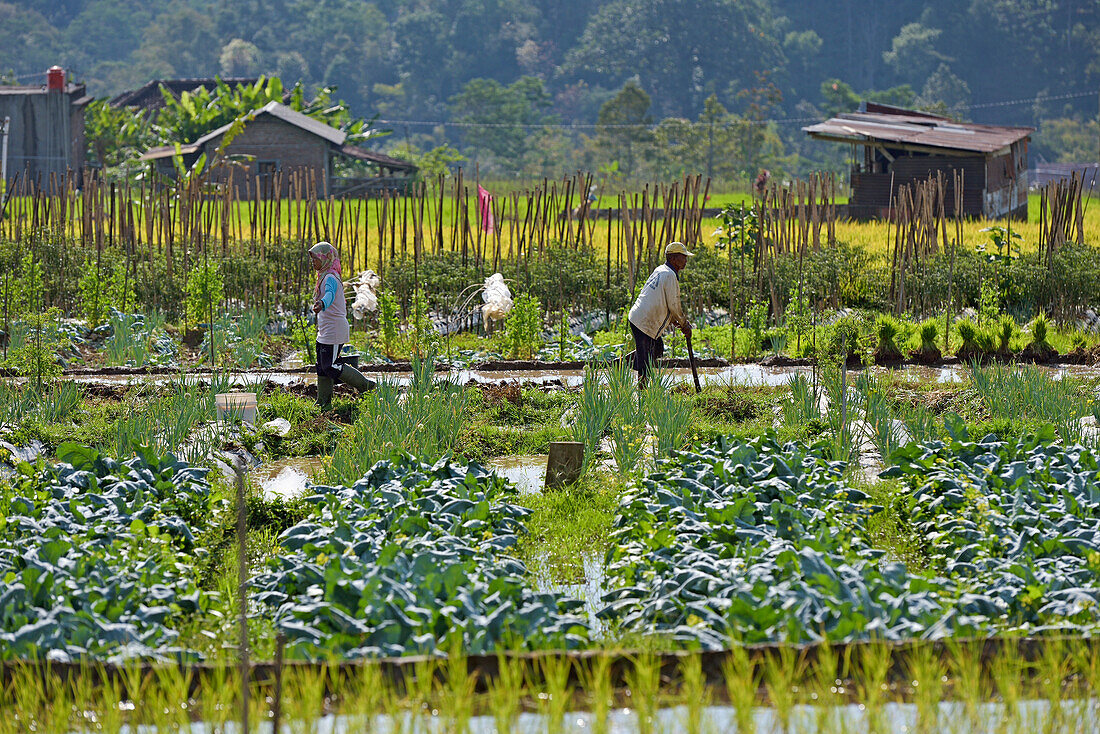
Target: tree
{"x": 678, "y": 49}
{"x": 239, "y": 58}
{"x": 623, "y": 126}
{"x": 178, "y": 43}
{"x": 913, "y": 53}
{"x": 27, "y": 40}
{"x": 115, "y": 135}
{"x": 711, "y": 144}
{"x": 500, "y": 118}
{"x": 944, "y": 90}
{"x": 1067, "y": 140}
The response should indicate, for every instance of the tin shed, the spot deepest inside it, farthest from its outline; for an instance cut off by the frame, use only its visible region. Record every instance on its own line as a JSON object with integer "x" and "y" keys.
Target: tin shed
{"x": 902, "y": 146}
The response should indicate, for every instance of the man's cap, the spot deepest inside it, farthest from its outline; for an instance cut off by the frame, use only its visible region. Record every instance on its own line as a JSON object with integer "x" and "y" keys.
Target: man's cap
{"x": 677, "y": 248}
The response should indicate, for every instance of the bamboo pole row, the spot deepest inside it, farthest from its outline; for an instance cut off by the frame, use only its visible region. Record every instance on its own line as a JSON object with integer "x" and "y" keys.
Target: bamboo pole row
{"x": 260, "y": 228}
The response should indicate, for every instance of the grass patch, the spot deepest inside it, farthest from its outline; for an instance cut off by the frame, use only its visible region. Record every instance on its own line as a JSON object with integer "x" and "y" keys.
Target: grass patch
{"x": 569, "y": 524}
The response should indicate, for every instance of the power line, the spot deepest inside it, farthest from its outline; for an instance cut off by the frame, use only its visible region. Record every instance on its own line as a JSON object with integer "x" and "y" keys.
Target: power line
{"x": 650, "y": 126}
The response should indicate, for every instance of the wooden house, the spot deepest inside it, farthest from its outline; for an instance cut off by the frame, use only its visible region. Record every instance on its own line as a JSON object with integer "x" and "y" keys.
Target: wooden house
{"x": 892, "y": 146}
{"x": 278, "y": 144}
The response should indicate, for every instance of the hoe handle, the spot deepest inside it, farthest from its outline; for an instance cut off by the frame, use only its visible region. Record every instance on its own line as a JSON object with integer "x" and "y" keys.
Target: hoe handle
{"x": 691, "y": 361}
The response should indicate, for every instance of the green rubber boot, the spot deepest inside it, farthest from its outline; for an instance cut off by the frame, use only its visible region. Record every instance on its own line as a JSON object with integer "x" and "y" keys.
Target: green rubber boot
{"x": 324, "y": 392}
{"x": 353, "y": 377}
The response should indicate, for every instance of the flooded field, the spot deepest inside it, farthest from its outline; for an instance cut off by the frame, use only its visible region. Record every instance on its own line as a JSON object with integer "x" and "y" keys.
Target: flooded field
{"x": 738, "y": 374}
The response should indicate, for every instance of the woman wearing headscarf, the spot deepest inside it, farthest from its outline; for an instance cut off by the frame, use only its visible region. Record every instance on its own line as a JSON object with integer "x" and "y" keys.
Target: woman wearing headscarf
{"x": 333, "y": 329}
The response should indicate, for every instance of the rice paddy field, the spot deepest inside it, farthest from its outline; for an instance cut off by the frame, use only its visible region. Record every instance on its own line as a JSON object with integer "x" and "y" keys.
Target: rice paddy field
{"x": 879, "y": 511}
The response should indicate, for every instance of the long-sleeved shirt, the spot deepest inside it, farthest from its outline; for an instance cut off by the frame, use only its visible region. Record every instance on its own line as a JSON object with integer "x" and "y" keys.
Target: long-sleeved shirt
{"x": 658, "y": 304}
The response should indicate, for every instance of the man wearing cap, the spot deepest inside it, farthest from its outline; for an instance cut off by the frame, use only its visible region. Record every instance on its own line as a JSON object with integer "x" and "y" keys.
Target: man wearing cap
{"x": 658, "y": 309}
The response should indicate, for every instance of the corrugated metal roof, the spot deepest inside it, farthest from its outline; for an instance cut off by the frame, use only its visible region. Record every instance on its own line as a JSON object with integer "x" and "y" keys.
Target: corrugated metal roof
{"x": 166, "y": 151}
{"x": 917, "y": 130}
{"x": 381, "y": 159}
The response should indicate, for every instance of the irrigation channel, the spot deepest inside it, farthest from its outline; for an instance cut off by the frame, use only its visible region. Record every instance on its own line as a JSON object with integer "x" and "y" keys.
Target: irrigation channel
{"x": 568, "y": 374}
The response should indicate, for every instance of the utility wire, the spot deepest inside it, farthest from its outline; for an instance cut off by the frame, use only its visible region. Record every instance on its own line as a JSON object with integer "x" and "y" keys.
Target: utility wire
{"x": 1038, "y": 99}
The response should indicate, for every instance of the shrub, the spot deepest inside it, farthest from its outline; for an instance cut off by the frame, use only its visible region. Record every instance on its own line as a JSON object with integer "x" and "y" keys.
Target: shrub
{"x": 523, "y": 327}
{"x": 205, "y": 290}
{"x": 104, "y": 286}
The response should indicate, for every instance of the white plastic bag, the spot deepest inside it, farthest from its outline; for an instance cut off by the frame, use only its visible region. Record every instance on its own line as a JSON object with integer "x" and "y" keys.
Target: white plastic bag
{"x": 497, "y": 298}
{"x": 366, "y": 296}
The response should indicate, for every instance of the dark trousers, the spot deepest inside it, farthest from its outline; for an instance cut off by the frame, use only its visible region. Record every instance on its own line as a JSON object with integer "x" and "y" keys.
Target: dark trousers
{"x": 647, "y": 351}
{"x": 326, "y": 360}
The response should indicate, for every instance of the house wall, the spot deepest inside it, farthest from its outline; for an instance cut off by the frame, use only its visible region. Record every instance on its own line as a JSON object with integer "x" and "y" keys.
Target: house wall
{"x": 270, "y": 140}
{"x": 1005, "y": 193}
{"x": 993, "y": 187}
{"x": 46, "y": 135}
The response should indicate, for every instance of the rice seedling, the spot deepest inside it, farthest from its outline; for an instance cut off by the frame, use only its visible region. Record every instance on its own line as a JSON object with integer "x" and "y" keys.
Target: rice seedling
{"x": 888, "y": 329}
{"x": 303, "y": 697}
{"x": 1006, "y": 331}
{"x": 967, "y": 686}
{"x": 825, "y": 688}
{"x": 986, "y": 341}
{"x": 695, "y": 697}
{"x": 420, "y": 692}
{"x": 643, "y": 678}
{"x": 362, "y": 696}
{"x": 457, "y": 696}
{"x": 595, "y": 678}
{"x": 169, "y": 689}
{"x": 870, "y": 670}
{"x": 1052, "y": 671}
{"x": 783, "y": 671}
{"x": 505, "y": 691}
{"x": 926, "y": 673}
{"x": 929, "y": 350}
{"x": 220, "y": 697}
{"x": 929, "y": 331}
{"x": 742, "y": 676}
{"x": 555, "y": 697}
{"x": 1008, "y": 671}
{"x": 1039, "y": 348}
{"x": 969, "y": 334}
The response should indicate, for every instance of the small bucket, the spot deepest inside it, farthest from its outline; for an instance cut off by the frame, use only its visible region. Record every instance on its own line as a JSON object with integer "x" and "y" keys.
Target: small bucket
{"x": 349, "y": 359}
{"x": 236, "y": 405}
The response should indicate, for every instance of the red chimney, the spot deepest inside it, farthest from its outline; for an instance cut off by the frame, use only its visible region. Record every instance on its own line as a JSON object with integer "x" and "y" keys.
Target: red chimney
{"x": 55, "y": 79}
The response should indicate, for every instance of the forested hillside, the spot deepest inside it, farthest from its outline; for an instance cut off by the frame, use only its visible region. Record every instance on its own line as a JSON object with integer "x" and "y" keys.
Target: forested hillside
{"x": 656, "y": 86}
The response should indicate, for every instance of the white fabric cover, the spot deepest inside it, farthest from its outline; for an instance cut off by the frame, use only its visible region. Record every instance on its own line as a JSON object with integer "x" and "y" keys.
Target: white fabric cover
{"x": 497, "y": 298}
{"x": 366, "y": 294}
